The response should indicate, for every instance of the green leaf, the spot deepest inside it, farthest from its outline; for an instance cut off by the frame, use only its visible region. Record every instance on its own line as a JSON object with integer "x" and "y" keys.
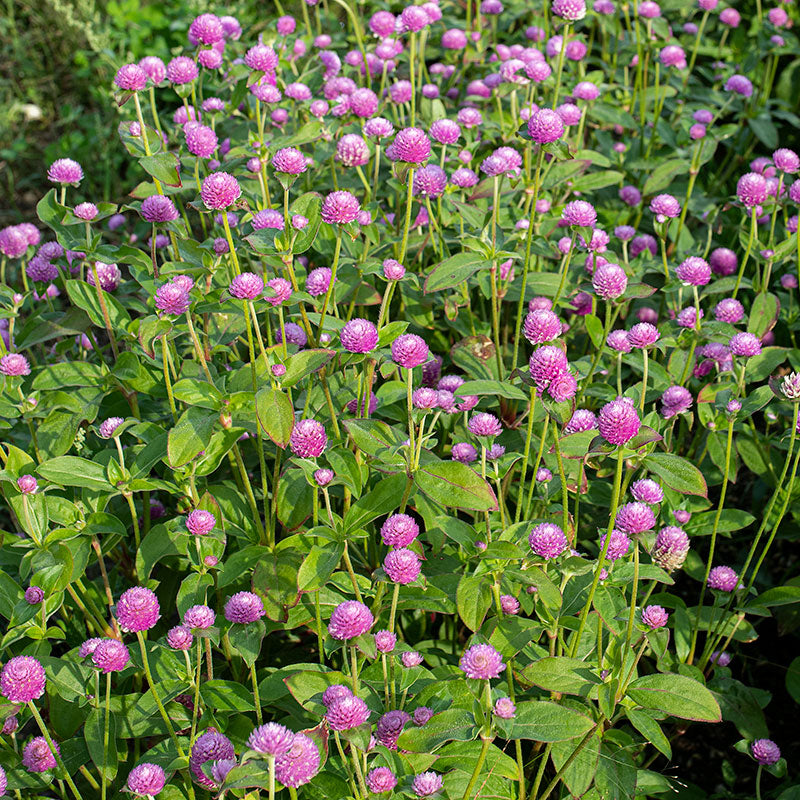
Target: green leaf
{"x": 195, "y": 392}
{"x": 75, "y": 471}
{"x": 319, "y": 565}
{"x": 453, "y": 271}
{"x": 247, "y": 639}
{"x": 561, "y": 674}
{"x": 276, "y": 415}
{"x": 84, "y": 295}
{"x": 678, "y": 473}
{"x": 190, "y": 435}
{"x": 372, "y": 435}
{"x": 597, "y": 180}
{"x": 275, "y": 579}
{"x": 763, "y": 314}
{"x": 308, "y": 205}
{"x": 793, "y": 679}
{"x": 676, "y": 695}
{"x": 650, "y": 729}
{"x": 453, "y": 724}
{"x": 764, "y": 129}
{"x": 163, "y": 167}
{"x": 776, "y": 596}
{"x": 227, "y": 696}
{"x": 93, "y": 732}
{"x": 304, "y": 363}
{"x": 382, "y": 499}
{"x": 545, "y": 721}
{"x": 481, "y": 388}
{"x": 455, "y": 485}
{"x": 473, "y": 600}
{"x": 661, "y": 177}
{"x": 760, "y": 366}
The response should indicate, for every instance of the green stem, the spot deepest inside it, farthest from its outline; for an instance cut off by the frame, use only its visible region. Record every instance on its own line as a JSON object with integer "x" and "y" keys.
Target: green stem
{"x": 43, "y": 728}
{"x": 105, "y": 737}
{"x": 329, "y": 293}
{"x": 407, "y": 221}
{"x": 485, "y": 743}
{"x": 753, "y": 224}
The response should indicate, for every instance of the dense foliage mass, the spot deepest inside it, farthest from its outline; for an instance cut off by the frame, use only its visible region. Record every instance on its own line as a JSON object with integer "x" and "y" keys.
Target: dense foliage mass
{"x": 423, "y": 423}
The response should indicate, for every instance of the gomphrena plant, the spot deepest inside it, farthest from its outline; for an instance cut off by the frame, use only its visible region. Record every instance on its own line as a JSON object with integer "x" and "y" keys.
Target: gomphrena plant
{"x": 421, "y": 423}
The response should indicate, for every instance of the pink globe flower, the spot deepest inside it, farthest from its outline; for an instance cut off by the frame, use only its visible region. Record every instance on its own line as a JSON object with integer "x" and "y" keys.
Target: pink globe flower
{"x": 618, "y": 545}
{"x": 545, "y": 126}
{"x": 65, "y": 171}
{"x": 339, "y": 208}
{"x": 298, "y": 765}
{"x": 694, "y": 271}
{"x": 582, "y": 420}
{"x": 765, "y": 751}
{"x": 37, "y": 755}
{"x": 271, "y": 739}
{"x": 110, "y": 655}
{"x": 158, "y": 208}
{"x": 675, "y": 400}
{"x": 484, "y": 424}
{"x": 146, "y": 780}
{"x": 200, "y": 522}
{"x": 570, "y": 10}
{"x": 155, "y": 68}
{"x": 724, "y": 579}
{"x": 504, "y": 708}
{"x": 546, "y": 365}
{"x": 290, "y": 161}
{"x": 643, "y": 335}
{"x": 579, "y": 213}
{"x": 427, "y": 784}
{"x": 481, "y": 662}
{"x": 281, "y": 291}
{"x": 131, "y": 78}
{"x": 244, "y": 608}
{"x": 318, "y": 281}
{"x": 547, "y": 540}
{"x": 201, "y": 140}
{"x": 745, "y": 345}
{"x": 618, "y": 421}
{"x": 381, "y": 780}
{"x": 209, "y": 746}
{"x": 172, "y": 298}
{"x": 541, "y": 325}
{"x": 610, "y": 281}
{"x": 412, "y": 146}
{"x": 14, "y": 365}
{"x": 22, "y": 679}
{"x": 349, "y": 620}
{"x": 670, "y": 548}
{"x": 409, "y": 350}
{"x": 665, "y": 206}
{"x": 182, "y": 69}
{"x": 220, "y": 190}
{"x": 359, "y": 336}
{"x": 399, "y": 530}
{"x": 308, "y": 439}
{"x": 247, "y": 286}
{"x": 347, "y": 713}
{"x": 647, "y": 490}
{"x": 137, "y": 609}
{"x": 635, "y": 518}
{"x": 751, "y": 189}
{"x": 402, "y": 566}
{"x": 654, "y": 617}
{"x": 179, "y": 638}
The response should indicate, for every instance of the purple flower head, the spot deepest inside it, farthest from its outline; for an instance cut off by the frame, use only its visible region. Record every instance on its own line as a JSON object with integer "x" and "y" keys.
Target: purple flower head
{"x": 402, "y": 566}
{"x": 209, "y": 746}
{"x": 10, "y": 725}
{"x": 618, "y": 341}
{"x": 110, "y": 655}
{"x": 22, "y": 679}
{"x": 647, "y": 490}
{"x": 729, "y": 310}
{"x": 675, "y": 400}
{"x": 385, "y": 641}
{"x": 378, "y": 128}
{"x": 271, "y": 739}
{"x": 635, "y": 518}
{"x": 665, "y": 206}
{"x": 200, "y": 522}
{"x": 27, "y": 484}
{"x": 654, "y": 617}
{"x": 199, "y": 616}
{"x": 546, "y": 365}
{"x": 14, "y": 365}
{"x": 182, "y": 69}
{"x": 349, "y": 620}
{"x": 206, "y": 29}
{"x": 618, "y": 421}
{"x": 220, "y": 190}
{"x": 724, "y": 579}
{"x": 409, "y": 350}
{"x": 318, "y": 281}
{"x": 412, "y": 146}
{"x": 399, "y": 530}
{"x": 745, "y": 345}
{"x": 390, "y": 726}
{"x": 738, "y": 84}
{"x": 484, "y": 424}
{"x": 481, "y": 662}
{"x": 504, "y": 708}
{"x": 694, "y": 271}
{"x": 87, "y": 647}
{"x": 308, "y": 438}
{"x": 85, "y": 211}
{"x": 751, "y": 189}
{"x": 582, "y": 420}
{"x": 299, "y": 764}
{"x": 411, "y": 658}
{"x": 547, "y": 540}
{"x": 579, "y": 213}
{"x": 381, "y": 780}
{"x": 430, "y": 181}
{"x": 723, "y": 261}
{"x": 109, "y": 426}
{"x": 201, "y": 140}
{"x": 158, "y": 208}
{"x": 247, "y": 286}
{"x": 630, "y": 195}
{"x": 37, "y": 755}
{"x": 786, "y": 160}
{"x": 334, "y": 693}
{"x": 541, "y": 325}
{"x": 179, "y": 638}
{"x": 347, "y": 713}
{"x": 359, "y": 336}
{"x": 427, "y": 784}
{"x": 672, "y": 56}
{"x": 352, "y": 150}
{"x": 765, "y": 752}
{"x": 545, "y": 126}
{"x": 244, "y": 608}
{"x": 146, "y": 780}
{"x": 609, "y": 281}
{"x": 339, "y": 208}
{"x": 463, "y": 452}
{"x": 34, "y": 595}
{"x": 65, "y": 171}
{"x": 137, "y": 609}
{"x": 618, "y": 545}
{"x": 643, "y": 335}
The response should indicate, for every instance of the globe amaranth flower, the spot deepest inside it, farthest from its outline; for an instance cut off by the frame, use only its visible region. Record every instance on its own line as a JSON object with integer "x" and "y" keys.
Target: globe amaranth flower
{"x": 289, "y": 160}
{"x": 201, "y": 140}
{"x": 545, "y": 126}
{"x": 665, "y": 206}
{"x": 359, "y": 336}
{"x": 352, "y": 150}
{"x": 14, "y": 365}
{"x": 430, "y": 181}
{"x": 579, "y": 213}
{"x": 541, "y": 325}
{"x": 299, "y": 764}
{"x": 146, "y": 780}
{"x": 635, "y": 518}
{"x": 318, "y": 281}
{"x": 158, "y": 208}
{"x": 182, "y": 69}
{"x": 745, "y": 345}
{"x": 200, "y": 522}
{"x": 675, "y": 400}
{"x": 618, "y": 421}
{"x": 738, "y": 84}
{"x": 583, "y": 419}
{"x": 481, "y": 662}
{"x": 308, "y": 438}
{"x": 65, "y": 171}
{"x": 570, "y": 10}
{"x": 22, "y": 679}
{"x": 199, "y": 616}
{"x": 37, "y": 755}
{"x": 409, "y": 350}
{"x": 339, "y": 208}
{"x": 411, "y": 658}
{"x": 412, "y": 146}
{"x": 271, "y": 739}
{"x": 723, "y": 579}
{"x": 399, "y": 530}
{"x": 381, "y": 780}
{"x": 546, "y": 364}
{"x": 547, "y": 540}
{"x": 385, "y": 641}
{"x": 401, "y": 566}
{"x": 349, "y": 620}
{"x": 618, "y": 544}
{"x": 427, "y": 784}
{"x": 654, "y": 617}
{"x": 618, "y": 341}
{"x": 180, "y": 638}
{"x": 509, "y": 604}
{"x": 646, "y": 490}
{"x": 729, "y": 310}
{"x": 765, "y": 752}
{"x": 609, "y": 281}
{"x": 34, "y": 595}
{"x": 694, "y": 271}
{"x": 347, "y": 713}
{"x": 88, "y": 647}
{"x": 390, "y": 726}
{"x": 244, "y": 608}
{"x": 672, "y": 55}
{"x": 484, "y": 424}
{"x": 209, "y": 746}
{"x": 220, "y": 190}
{"x": 723, "y": 659}
{"x": 110, "y": 655}
{"x": 751, "y": 189}
{"x": 137, "y": 609}
{"x": 247, "y": 286}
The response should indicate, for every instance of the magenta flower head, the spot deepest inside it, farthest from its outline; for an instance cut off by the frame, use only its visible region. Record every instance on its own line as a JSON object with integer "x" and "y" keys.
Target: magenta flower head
{"x": 390, "y": 726}
{"x": 85, "y": 211}
{"x": 110, "y": 655}
{"x": 675, "y": 400}
{"x": 786, "y": 160}
{"x": 618, "y": 544}
{"x": 739, "y": 84}
{"x": 347, "y": 713}
{"x": 399, "y": 530}
{"x": 724, "y": 579}
{"x": 199, "y": 617}
{"x": 635, "y": 518}
{"x": 349, "y": 620}
{"x": 352, "y": 150}
{"x": 209, "y": 746}
{"x": 37, "y": 755}
{"x": 751, "y": 189}
{"x": 14, "y": 243}
{"x": 411, "y": 658}
{"x": 201, "y": 140}
{"x": 427, "y": 784}
{"x": 745, "y": 345}
{"x": 339, "y": 208}
{"x": 137, "y": 610}
{"x": 765, "y": 752}
{"x": 220, "y": 190}
{"x": 14, "y": 365}
{"x": 579, "y": 213}
{"x": 670, "y": 548}
{"x": 484, "y": 424}
{"x": 409, "y": 350}
{"x": 547, "y": 540}
{"x": 155, "y": 68}
{"x": 146, "y": 780}
{"x": 65, "y": 171}
{"x": 200, "y": 522}
{"x": 172, "y": 298}
{"x": 643, "y": 335}
{"x": 182, "y": 69}
{"x": 299, "y": 764}
{"x": 694, "y": 271}
{"x": 412, "y": 146}
{"x": 158, "y": 208}
{"x": 430, "y": 181}
{"x": 27, "y": 484}
{"x": 34, "y": 595}
{"x": 654, "y": 617}
{"x": 546, "y": 365}
{"x": 723, "y": 261}
{"x": 247, "y": 286}
{"x": 206, "y": 29}
{"x": 131, "y": 78}
{"x": 323, "y": 477}
{"x": 463, "y": 452}
{"x": 672, "y": 56}
{"x": 109, "y": 426}
{"x": 665, "y": 206}
{"x": 402, "y": 566}
{"x": 271, "y": 739}
{"x": 359, "y": 336}
{"x": 378, "y": 128}
{"x": 609, "y": 281}
{"x": 481, "y": 662}
{"x": 281, "y": 289}
{"x": 541, "y": 325}
{"x": 381, "y": 780}
{"x": 445, "y": 131}
{"x": 545, "y": 126}
{"x": 22, "y": 679}
{"x": 308, "y": 439}
{"x": 179, "y": 638}
{"x": 647, "y": 490}
{"x": 618, "y": 421}
{"x": 570, "y": 10}
{"x": 618, "y": 341}
{"x": 244, "y": 608}
{"x": 334, "y": 693}
{"x": 385, "y": 641}
{"x": 290, "y": 161}
{"x": 504, "y": 708}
